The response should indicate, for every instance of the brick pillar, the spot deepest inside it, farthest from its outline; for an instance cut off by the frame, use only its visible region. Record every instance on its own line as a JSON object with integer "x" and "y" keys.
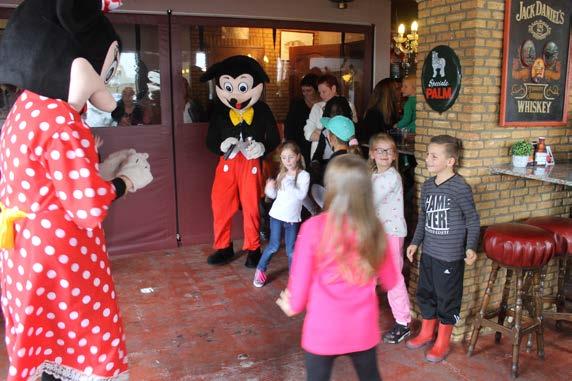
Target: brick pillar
{"x": 474, "y": 29}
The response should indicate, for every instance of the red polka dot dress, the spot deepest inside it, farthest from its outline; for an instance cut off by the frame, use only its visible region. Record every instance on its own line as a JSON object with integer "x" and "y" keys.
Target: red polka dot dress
{"x": 58, "y": 297}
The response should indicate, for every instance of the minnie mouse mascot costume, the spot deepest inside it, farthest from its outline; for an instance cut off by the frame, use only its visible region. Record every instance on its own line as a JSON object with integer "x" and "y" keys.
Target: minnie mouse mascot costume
{"x": 58, "y": 297}
{"x": 241, "y": 130}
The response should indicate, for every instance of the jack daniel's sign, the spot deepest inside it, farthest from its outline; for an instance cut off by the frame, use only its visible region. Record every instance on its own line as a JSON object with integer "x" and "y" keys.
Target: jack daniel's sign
{"x": 535, "y": 63}
{"x": 441, "y": 78}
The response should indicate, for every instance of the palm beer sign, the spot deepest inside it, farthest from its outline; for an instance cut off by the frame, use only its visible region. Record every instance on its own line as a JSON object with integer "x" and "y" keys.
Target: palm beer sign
{"x": 536, "y": 62}
{"x": 441, "y": 78}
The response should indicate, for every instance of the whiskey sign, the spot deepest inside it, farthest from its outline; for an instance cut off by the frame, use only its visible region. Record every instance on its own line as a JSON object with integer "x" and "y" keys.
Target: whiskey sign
{"x": 536, "y": 62}
{"x": 441, "y": 78}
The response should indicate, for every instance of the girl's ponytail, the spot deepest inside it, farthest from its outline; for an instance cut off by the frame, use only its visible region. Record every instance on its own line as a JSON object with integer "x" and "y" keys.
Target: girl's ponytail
{"x": 354, "y": 148}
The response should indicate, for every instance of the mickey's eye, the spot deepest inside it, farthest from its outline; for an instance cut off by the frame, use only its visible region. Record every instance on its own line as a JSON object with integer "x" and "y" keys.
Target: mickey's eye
{"x": 227, "y": 86}
{"x": 243, "y": 87}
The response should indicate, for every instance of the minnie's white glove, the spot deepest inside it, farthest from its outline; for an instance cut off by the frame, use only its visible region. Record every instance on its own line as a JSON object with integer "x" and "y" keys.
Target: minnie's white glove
{"x": 109, "y": 167}
{"x": 254, "y": 150}
{"x": 137, "y": 169}
{"x": 227, "y": 143}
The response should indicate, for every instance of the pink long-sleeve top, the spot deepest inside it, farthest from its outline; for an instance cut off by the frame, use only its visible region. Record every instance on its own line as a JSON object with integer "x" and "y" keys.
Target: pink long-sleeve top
{"x": 340, "y": 317}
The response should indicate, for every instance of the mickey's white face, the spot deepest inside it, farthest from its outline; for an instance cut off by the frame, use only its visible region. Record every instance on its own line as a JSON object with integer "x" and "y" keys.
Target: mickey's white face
{"x": 238, "y": 93}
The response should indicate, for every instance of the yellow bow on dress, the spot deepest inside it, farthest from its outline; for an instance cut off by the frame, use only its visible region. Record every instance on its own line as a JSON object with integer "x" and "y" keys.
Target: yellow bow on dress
{"x": 237, "y": 117}
{"x": 7, "y": 218}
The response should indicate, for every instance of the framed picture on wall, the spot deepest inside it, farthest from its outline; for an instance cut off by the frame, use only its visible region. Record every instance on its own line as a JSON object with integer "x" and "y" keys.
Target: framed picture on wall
{"x": 289, "y": 39}
{"x": 536, "y": 63}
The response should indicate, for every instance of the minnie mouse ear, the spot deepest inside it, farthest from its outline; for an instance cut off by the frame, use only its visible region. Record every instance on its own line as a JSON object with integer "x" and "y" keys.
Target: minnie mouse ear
{"x": 80, "y": 15}
{"x": 77, "y": 15}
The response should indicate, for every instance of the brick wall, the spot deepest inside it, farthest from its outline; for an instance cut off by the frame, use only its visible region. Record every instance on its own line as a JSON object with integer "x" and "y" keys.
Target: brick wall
{"x": 474, "y": 29}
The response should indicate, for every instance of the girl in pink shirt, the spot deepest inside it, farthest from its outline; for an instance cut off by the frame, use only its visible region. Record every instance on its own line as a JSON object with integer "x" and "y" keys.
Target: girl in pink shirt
{"x": 338, "y": 259}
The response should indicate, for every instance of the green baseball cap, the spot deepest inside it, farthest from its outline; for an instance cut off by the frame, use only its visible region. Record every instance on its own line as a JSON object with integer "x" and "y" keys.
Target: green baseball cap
{"x": 340, "y": 126}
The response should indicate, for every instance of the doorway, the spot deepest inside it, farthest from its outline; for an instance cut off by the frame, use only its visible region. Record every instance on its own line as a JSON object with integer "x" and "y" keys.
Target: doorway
{"x": 164, "y": 108}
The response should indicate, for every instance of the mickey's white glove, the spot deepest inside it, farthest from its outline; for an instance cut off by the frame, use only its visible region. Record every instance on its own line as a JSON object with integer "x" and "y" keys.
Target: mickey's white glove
{"x": 227, "y": 143}
{"x": 254, "y": 150}
{"x": 137, "y": 169}
{"x": 109, "y": 167}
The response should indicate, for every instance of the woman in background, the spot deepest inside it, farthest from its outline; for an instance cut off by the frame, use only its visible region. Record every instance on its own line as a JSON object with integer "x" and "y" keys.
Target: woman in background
{"x": 299, "y": 112}
{"x": 382, "y": 111}
{"x": 128, "y": 113}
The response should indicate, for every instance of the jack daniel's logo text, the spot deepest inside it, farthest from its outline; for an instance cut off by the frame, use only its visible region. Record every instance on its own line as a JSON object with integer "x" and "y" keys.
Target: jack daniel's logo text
{"x": 540, "y": 9}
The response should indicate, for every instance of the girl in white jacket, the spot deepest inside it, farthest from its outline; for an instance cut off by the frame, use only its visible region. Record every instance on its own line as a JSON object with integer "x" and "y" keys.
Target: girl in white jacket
{"x": 289, "y": 189}
{"x": 388, "y": 200}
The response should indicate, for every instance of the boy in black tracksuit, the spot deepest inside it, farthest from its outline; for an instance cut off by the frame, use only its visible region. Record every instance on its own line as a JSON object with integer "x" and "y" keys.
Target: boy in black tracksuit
{"x": 448, "y": 227}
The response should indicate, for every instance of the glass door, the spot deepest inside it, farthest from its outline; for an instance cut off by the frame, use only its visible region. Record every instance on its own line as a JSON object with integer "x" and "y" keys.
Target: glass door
{"x": 144, "y": 220}
{"x": 287, "y": 51}
{"x": 7, "y": 92}
{"x": 164, "y": 108}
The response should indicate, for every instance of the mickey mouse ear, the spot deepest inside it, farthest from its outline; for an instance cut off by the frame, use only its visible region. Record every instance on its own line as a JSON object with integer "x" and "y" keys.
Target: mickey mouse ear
{"x": 110, "y": 5}
{"x": 211, "y": 72}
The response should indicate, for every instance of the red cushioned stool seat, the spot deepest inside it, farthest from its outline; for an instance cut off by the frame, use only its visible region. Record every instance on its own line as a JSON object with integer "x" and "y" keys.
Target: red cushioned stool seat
{"x": 522, "y": 249}
{"x": 518, "y": 245}
{"x": 561, "y": 228}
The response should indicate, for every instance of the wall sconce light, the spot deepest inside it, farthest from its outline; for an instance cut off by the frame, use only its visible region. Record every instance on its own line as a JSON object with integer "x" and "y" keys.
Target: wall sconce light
{"x": 348, "y": 74}
{"x": 407, "y": 44}
{"x": 342, "y": 4}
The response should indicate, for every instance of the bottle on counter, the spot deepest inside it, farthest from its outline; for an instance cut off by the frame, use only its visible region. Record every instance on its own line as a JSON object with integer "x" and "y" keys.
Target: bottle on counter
{"x": 540, "y": 156}
{"x": 531, "y": 161}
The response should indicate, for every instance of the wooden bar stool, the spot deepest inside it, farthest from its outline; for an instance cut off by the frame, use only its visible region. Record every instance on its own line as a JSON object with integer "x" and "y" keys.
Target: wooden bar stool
{"x": 522, "y": 249}
{"x": 561, "y": 228}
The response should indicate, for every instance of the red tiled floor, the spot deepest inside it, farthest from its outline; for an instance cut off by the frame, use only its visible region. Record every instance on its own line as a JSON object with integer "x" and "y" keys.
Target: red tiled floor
{"x": 210, "y": 323}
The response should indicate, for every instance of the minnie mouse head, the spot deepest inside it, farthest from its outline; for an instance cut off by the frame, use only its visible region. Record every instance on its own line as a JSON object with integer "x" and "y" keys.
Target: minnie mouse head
{"x": 62, "y": 49}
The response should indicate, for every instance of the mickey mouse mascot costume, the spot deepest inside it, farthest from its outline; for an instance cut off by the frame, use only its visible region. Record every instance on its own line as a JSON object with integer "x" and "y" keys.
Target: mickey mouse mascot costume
{"x": 58, "y": 298}
{"x": 241, "y": 130}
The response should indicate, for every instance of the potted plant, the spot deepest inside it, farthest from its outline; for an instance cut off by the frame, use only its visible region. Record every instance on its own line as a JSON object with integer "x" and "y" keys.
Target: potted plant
{"x": 521, "y": 151}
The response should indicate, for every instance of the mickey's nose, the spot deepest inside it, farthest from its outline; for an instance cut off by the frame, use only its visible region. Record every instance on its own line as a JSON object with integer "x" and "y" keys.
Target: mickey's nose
{"x": 233, "y": 102}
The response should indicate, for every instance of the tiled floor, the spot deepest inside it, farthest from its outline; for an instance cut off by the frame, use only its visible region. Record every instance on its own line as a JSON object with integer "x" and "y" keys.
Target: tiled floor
{"x": 197, "y": 322}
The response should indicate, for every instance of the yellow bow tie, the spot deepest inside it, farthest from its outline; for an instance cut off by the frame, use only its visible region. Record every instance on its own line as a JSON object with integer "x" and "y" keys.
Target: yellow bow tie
{"x": 7, "y": 218}
{"x": 237, "y": 117}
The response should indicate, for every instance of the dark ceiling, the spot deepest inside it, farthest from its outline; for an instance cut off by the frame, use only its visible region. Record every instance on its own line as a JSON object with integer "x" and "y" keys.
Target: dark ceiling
{"x": 403, "y": 12}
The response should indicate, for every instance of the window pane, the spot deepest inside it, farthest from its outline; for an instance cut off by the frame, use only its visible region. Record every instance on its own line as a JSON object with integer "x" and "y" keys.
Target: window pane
{"x": 195, "y": 94}
{"x": 7, "y": 92}
{"x": 136, "y": 85}
{"x": 286, "y": 56}
{"x": 336, "y": 53}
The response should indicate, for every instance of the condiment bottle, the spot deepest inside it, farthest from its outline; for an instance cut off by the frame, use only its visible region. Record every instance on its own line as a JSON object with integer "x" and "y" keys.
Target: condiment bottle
{"x": 540, "y": 156}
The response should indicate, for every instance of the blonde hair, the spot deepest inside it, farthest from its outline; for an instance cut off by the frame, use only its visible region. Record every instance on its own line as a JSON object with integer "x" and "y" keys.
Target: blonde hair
{"x": 411, "y": 78}
{"x": 352, "y": 225}
{"x": 373, "y": 141}
{"x": 299, "y": 163}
